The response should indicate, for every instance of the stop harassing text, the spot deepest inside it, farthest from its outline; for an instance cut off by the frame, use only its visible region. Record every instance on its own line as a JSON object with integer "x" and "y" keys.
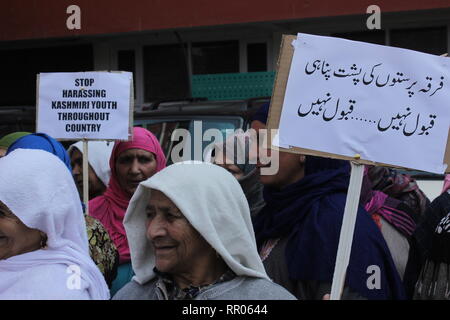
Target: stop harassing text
{"x": 94, "y": 106}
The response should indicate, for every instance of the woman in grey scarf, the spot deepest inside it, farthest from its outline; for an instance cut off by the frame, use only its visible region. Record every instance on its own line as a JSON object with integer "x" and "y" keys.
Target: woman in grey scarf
{"x": 234, "y": 155}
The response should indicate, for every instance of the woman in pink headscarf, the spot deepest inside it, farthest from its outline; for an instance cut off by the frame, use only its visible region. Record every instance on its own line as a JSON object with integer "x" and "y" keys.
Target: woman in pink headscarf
{"x": 131, "y": 162}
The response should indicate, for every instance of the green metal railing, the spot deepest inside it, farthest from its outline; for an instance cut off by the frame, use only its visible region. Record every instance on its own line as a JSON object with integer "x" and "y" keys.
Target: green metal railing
{"x": 230, "y": 86}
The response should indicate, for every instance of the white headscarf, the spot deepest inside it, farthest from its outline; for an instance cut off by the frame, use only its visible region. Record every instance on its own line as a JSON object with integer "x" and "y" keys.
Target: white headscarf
{"x": 212, "y": 200}
{"x": 99, "y": 153}
{"x": 38, "y": 189}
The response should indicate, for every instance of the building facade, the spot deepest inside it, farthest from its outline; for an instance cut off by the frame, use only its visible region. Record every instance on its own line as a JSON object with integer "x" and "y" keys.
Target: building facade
{"x": 168, "y": 44}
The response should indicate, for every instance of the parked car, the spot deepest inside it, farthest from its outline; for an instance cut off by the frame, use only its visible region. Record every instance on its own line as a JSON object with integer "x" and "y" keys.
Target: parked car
{"x": 164, "y": 117}
{"x": 196, "y": 117}
{"x": 17, "y": 118}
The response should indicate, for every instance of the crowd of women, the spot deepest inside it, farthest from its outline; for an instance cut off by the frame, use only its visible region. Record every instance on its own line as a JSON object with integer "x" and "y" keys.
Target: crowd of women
{"x": 216, "y": 230}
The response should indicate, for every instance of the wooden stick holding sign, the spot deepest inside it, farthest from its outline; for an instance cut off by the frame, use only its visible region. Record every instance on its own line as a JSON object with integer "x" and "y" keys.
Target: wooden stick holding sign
{"x": 85, "y": 176}
{"x": 347, "y": 230}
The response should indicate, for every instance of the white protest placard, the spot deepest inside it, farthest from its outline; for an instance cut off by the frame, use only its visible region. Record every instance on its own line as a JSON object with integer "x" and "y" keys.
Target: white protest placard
{"x": 384, "y": 104}
{"x": 85, "y": 105}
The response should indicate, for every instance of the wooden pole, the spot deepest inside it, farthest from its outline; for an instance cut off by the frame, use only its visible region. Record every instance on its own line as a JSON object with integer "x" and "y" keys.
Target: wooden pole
{"x": 85, "y": 175}
{"x": 347, "y": 230}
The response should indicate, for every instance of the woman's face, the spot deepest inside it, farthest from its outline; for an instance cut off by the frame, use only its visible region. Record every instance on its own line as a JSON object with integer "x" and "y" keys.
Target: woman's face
{"x": 15, "y": 237}
{"x": 228, "y": 165}
{"x": 134, "y": 166}
{"x": 179, "y": 248}
{"x": 96, "y": 186}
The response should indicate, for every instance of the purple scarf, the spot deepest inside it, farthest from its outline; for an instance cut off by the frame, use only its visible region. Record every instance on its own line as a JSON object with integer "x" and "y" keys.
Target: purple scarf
{"x": 379, "y": 204}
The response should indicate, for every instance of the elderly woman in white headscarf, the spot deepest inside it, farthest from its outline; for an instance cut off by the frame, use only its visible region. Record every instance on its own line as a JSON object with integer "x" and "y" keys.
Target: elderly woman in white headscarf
{"x": 191, "y": 237}
{"x": 43, "y": 241}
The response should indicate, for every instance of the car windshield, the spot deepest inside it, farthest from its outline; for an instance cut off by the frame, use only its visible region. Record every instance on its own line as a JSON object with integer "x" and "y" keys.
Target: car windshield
{"x": 164, "y": 129}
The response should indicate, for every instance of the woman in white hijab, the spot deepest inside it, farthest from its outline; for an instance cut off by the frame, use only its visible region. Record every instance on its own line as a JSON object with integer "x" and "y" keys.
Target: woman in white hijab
{"x": 191, "y": 237}
{"x": 99, "y": 153}
{"x": 43, "y": 241}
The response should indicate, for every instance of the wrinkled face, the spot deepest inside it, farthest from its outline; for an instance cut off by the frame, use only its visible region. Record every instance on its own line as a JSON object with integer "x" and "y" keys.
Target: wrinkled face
{"x": 179, "y": 248}
{"x": 134, "y": 166}
{"x": 96, "y": 186}
{"x": 15, "y": 237}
